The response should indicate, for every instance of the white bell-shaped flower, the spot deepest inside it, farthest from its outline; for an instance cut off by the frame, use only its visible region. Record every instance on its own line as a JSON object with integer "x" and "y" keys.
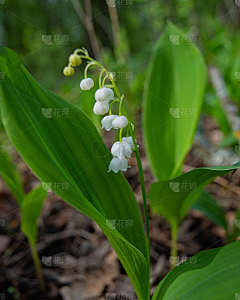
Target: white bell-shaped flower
{"x": 86, "y": 84}
{"x": 102, "y": 94}
{"x": 129, "y": 140}
{"x": 107, "y": 122}
{"x": 121, "y": 149}
{"x": 120, "y": 122}
{"x": 101, "y": 108}
{"x": 117, "y": 164}
{"x": 111, "y": 95}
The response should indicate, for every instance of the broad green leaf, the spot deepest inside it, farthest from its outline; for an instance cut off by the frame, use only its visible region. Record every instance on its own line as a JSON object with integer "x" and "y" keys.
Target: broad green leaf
{"x": 172, "y": 198}
{"x": 10, "y": 175}
{"x": 209, "y": 207}
{"x": 31, "y": 208}
{"x": 172, "y": 101}
{"x": 210, "y": 275}
{"x": 66, "y": 148}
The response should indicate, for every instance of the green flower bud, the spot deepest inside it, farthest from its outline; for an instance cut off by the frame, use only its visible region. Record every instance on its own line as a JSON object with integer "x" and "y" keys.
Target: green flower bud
{"x": 68, "y": 71}
{"x": 75, "y": 60}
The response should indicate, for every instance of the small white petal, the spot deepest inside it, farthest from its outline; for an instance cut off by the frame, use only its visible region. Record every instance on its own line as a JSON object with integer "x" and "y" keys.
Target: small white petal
{"x": 117, "y": 164}
{"x": 107, "y": 122}
{"x": 124, "y": 164}
{"x": 129, "y": 140}
{"x": 111, "y": 95}
{"x": 101, "y": 108}
{"x": 120, "y": 150}
{"x": 102, "y": 94}
{"x": 114, "y": 165}
{"x": 86, "y": 84}
{"x": 120, "y": 122}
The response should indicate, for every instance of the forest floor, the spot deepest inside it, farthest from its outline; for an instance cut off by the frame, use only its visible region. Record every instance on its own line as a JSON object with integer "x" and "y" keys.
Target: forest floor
{"x": 77, "y": 260}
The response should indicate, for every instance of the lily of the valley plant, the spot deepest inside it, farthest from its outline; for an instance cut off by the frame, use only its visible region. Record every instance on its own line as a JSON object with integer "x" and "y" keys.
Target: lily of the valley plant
{"x": 62, "y": 150}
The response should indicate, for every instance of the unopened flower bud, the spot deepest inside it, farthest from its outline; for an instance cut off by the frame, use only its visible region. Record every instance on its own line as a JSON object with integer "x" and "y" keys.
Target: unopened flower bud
{"x": 120, "y": 122}
{"x": 121, "y": 149}
{"x": 75, "y": 60}
{"x": 101, "y": 108}
{"x": 117, "y": 164}
{"x": 68, "y": 71}
{"x": 102, "y": 94}
{"x": 107, "y": 122}
{"x": 86, "y": 84}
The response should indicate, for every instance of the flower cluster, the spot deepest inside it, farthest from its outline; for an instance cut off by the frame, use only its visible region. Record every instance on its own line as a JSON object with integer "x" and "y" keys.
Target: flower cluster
{"x": 124, "y": 147}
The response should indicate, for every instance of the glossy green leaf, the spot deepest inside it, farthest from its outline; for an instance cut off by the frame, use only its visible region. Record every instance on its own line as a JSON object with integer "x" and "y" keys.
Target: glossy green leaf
{"x": 172, "y": 198}
{"x": 209, "y": 207}
{"x": 60, "y": 144}
{"x": 31, "y": 208}
{"x": 10, "y": 175}
{"x": 210, "y": 275}
{"x": 172, "y": 101}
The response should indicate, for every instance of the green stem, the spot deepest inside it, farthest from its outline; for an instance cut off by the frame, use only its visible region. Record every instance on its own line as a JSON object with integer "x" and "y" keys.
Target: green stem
{"x": 86, "y": 69}
{"x": 120, "y": 105}
{"x": 100, "y": 79}
{"x": 120, "y": 135}
{"x": 110, "y": 106}
{"x": 141, "y": 176}
{"x": 174, "y": 250}
{"x": 104, "y": 79}
{"x": 37, "y": 266}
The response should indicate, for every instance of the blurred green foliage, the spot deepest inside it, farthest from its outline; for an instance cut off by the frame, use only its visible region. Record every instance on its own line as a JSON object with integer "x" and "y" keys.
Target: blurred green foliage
{"x": 24, "y": 23}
